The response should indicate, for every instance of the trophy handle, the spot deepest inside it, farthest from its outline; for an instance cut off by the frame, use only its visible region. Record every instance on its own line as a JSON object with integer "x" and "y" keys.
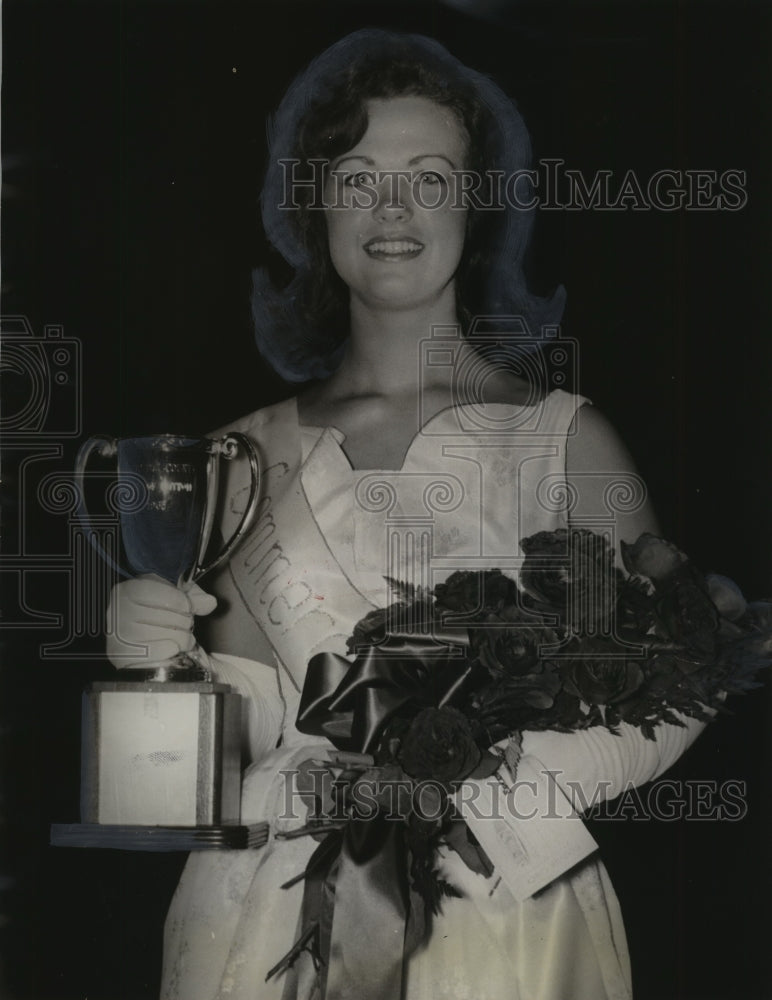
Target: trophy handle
{"x": 108, "y": 448}
{"x": 229, "y": 445}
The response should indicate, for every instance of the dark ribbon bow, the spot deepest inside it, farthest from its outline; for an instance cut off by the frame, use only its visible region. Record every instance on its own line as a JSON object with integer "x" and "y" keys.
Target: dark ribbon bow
{"x": 357, "y": 916}
{"x": 350, "y": 703}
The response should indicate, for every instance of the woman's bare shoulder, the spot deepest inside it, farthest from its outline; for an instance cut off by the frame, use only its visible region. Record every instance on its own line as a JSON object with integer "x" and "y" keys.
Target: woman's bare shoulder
{"x": 594, "y": 443}
{"x": 604, "y": 476}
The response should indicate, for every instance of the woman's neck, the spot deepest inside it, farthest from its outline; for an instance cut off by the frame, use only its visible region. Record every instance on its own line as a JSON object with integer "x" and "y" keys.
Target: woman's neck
{"x": 384, "y": 352}
{"x": 386, "y": 377}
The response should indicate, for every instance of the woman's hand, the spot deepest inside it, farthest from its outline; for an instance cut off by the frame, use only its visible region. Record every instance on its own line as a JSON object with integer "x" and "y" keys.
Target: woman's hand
{"x": 149, "y": 620}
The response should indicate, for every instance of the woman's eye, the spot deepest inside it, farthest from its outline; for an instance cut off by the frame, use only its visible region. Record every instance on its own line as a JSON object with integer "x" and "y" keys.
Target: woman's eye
{"x": 362, "y": 179}
{"x": 430, "y": 178}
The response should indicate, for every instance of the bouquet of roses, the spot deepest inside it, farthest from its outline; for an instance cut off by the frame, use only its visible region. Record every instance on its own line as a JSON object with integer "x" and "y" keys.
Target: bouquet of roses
{"x": 443, "y": 683}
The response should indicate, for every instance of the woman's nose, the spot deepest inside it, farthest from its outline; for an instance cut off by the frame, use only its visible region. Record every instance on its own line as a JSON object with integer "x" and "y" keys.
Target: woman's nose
{"x": 394, "y": 202}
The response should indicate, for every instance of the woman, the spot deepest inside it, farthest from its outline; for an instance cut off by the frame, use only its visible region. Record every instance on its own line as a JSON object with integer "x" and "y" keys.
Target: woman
{"x": 414, "y": 452}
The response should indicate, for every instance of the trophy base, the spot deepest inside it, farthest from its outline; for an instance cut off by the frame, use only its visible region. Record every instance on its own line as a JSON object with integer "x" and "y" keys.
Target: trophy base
{"x": 159, "y": 838}
{"x": 161, "y": 754}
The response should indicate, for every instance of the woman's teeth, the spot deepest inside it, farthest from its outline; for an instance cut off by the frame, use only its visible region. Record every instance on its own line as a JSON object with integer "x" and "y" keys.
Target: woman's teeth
{"x": 394, "y": 247}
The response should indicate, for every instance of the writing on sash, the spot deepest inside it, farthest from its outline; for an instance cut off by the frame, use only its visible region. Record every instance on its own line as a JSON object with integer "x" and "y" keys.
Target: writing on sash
{"x": 269, "y": 575}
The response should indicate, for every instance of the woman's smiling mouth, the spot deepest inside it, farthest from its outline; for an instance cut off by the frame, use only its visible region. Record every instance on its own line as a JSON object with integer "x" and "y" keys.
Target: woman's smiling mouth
{"x": 393, "y": 249}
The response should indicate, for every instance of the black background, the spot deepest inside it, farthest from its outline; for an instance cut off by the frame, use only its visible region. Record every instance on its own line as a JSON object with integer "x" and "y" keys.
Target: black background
{"x": 133, "y": 147}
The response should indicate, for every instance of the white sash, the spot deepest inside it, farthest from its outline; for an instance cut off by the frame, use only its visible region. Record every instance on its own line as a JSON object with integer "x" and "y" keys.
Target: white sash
{"x": 284, "y": 568}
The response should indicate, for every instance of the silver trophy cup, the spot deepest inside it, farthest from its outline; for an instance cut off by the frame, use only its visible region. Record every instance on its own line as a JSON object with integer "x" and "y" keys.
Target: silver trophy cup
{"x": 161, "y": 749}
{"x": 167, "y": 493}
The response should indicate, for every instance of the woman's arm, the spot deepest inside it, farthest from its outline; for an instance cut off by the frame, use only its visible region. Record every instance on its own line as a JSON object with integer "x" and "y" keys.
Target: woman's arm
{"x": 595, "y": 765}
{"x": 596, "y": 761}
{"x": 262, "y": 707}
{"x": 243, "y": 657}
{"x": 531, "y": 840}
{"x": 596, "y": 458}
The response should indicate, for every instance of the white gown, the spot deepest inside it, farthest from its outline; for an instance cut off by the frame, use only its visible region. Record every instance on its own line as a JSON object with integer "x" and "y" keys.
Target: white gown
{"x": 474, "y": 481}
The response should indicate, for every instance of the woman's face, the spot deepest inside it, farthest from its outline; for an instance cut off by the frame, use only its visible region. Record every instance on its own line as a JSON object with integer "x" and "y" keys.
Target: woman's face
{"x": 395, "y": 236}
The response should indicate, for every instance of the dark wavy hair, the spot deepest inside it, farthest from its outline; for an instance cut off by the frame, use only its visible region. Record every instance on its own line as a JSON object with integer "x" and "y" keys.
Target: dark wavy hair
{"x": 302, "y": 329}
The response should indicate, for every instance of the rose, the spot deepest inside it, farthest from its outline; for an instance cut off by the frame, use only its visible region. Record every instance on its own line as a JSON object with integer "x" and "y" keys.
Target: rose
{"x": 603, "y": 683}
{"x": 546, "y": 570}
{"x": 600, "y": 679}
{"x": 571, "y": 572}
{"x": 513, "y": 656}
{"x": 652, "y": 557}
{"x": 439, "y": 745}
{"x": 687, "y": 615}
{"x": 727, "y": 596}
{"x": 512, "y": 650}
{"x": 636, "y": 607}
{"x": 467, "y": 592}
{"x": 685, "y": 611}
